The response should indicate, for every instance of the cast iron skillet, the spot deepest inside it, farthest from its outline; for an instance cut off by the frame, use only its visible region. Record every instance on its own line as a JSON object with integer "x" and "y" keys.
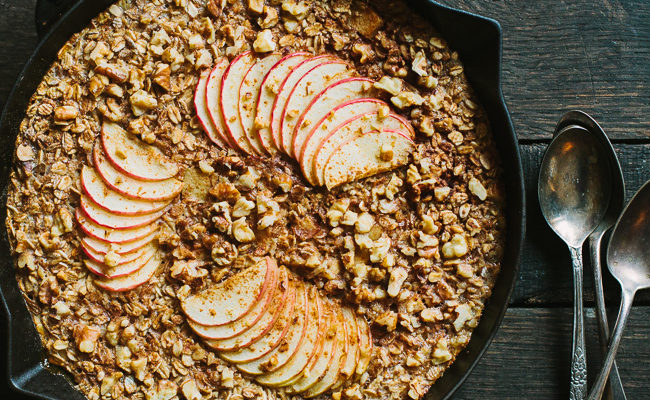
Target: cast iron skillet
{"x": 477, "y": 39}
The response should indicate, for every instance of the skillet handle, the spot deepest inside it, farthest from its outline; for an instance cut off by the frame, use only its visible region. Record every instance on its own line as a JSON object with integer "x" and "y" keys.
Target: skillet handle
{"x": 48, "y": 12}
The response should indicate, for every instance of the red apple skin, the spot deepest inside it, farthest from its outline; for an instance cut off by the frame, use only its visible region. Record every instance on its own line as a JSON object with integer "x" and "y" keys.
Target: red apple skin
{"x": 212, "y": 100}
{"x": 97, "y": 268}
{"x": 86, "y": 203}
{"x": 199, "y": 104}
{"x": 132, "y": 281}
{"x": 90, "y": 229}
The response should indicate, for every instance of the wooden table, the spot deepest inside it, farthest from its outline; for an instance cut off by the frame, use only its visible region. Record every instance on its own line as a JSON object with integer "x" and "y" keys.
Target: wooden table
{"x": 592, "y": 55}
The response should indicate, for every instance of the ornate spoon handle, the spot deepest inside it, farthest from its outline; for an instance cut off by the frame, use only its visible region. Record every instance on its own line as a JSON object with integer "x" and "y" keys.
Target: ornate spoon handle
{"x": 578, "y": 388}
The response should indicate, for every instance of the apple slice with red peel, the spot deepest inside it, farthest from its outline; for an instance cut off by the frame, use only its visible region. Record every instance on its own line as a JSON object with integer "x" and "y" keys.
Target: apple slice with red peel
{"x": 364, "y": 156}
{"x": 131, "y": 281}
{"x": 202, "y": 113}
{"x": 322, "y": 104}
{"x": 249, "y": 94}
{"x": 212, "y": 96}
{"x": 286, "y": 87}
{"x": 121, "y": 236}
{"x": 268, "y": 91}
{"x": 241, "y": 325}
{"x": 276, "y": 334}
{"x": 347, "y": 131}
{"x": 231, "y": 299}
{"x": 127, "y": 268}
{"x": 303, "y": 91}
{"x": 229, "y": 102}
{"x": 325, "y": 357}
{"x": 133, "y": 157}
{"x": 365, "y": 346}
{"x": 103, "y": 247}
{"x": 352, "y": 353}
{"x": 321, "y": 129}
{"x": 306, "y": 348}
{"x": 94, "y": 187}
{"x": 284, "y": 293}
{"x": 306, "y": 313}
{"x": 114, "y": 221}
{"x": 99, "y": 257}
{"x": 131, "y": 187}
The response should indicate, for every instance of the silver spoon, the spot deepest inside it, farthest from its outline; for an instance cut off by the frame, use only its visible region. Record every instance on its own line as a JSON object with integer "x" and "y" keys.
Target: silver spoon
{"x": 628, "y": 259}
{"x": 616, "y": 204}
{"x": 573, "y": 191}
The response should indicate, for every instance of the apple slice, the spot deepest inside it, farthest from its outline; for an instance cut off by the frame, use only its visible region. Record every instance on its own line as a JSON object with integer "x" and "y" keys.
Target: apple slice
{"x": 322, "y": 104}
{"x": 131, "y": 281}
{"x": 362, "y": 156}
{"x": 135, "y": 158}
{"x": 273, "y": 337}
{"x": 284, "y": 293}
{"x": 306, "y": 313}
{"x": 365, "y": 346}
{"x": 352, "y": 352}
{"x": 114, "y": 221}
{"x": 268, "y": 91}
{"x": 347, "y": 131}
{"x": 307, "y": 347}
{"x": 127, "y": 268}
{"x": 229, "y": 102}
{"x": 94, "y": 187}
{"x": 321, "y": 129}
{"x": 241, "y": 325}
{"x": 288, "y": 84}
{"x": 212, "y": 95}
{"x": 303, "y": 92}
{"x": 249, "y": 94}
{"x": 202, "y": 113}
{"x": 325, "y": 357}
{"x": 121, "y": 236}
{"x": 99, "y": 257}
{"x": 134, "y": 188}
{"x": 231, "y": 299}
{"x": 103, "y": 247}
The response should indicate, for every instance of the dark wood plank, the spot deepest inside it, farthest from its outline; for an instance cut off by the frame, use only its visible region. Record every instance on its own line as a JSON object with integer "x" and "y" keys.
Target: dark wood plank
{"x": 545, "y": 276}
{"x": 585, "y": 54}
{"x": 529, "y": 357}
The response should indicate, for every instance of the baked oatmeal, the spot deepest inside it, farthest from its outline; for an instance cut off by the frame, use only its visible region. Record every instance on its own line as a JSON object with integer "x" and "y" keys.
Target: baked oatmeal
{"x": 254, "y": 199}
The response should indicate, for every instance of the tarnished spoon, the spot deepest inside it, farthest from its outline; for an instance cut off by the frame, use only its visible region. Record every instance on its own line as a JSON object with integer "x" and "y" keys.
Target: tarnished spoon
{"x": 616, "y": 204}
{"x": 628, "y": 259}
{"x": 573, "y": 191}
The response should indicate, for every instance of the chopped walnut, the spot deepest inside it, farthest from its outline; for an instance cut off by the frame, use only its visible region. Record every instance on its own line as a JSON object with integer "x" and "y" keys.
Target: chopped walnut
{"x": 242, "y": 207}
{"x": 264, "y": 42}
{"x": 190, "y": 390}
{"x": 364, "y": 51}
{"x": 390, "y": 85}
{"x": 269, "y": 17}
{"x": 419, "y": 65}
{"x": 86, "y": 337}
{"x": 407, "y": 99}
{"x": 397, "y": 277}
{"x": 456, "y": 247}
{"x": 241, "y": 231}
{"x": 141, "y": 102}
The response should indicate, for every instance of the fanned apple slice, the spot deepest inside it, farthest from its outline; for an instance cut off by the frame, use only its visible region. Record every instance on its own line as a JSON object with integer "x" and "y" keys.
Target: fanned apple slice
{"x": 306, "y": 313}
{"x": 103, "y": 247}
{"x": 304, "y": 90}
{"x": 114, "y": 221}
{"x": 365, "y": 346}
{"x": 249, "y": 93}
{"x": 268, "y": 91}
{"x": 128, "y": 268}
{"x": 317, "y": 370}
{"x": 94, "y": 187}
{"x": 352, "y": 352}
{"x": 202, "y": 113}
{"x": 241, "y": 325}
{"x": 100, "y": 258}
{"x": 347, "y": 131}
{"x": 229, "y": 102}
{"x": 131, "y": 281}
{"x": 286, "y": 87}
{"x": 321, "y": 129}
{"x": 131, "y": 187}
{"x": 276, "y": 334}
{"x": 231, "y": 299}
{"x": 212, "y": 96}
{"x": 134, "y": 158}
{"x": 323, "y": 103}
{"x": 306, "y": 349}
{"x": 284, "y": 293}
{"x": 121, "y": 236}
{"x": 367, "y": 155}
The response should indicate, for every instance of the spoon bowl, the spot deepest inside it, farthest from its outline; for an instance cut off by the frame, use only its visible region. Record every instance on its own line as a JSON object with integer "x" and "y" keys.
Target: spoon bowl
{"x": 628, "y": 260}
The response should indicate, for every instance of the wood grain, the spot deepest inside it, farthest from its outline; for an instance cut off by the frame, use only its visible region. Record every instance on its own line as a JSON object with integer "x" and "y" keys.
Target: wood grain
{"x": 529, "y": 357}
{"x": 574, "y": 54}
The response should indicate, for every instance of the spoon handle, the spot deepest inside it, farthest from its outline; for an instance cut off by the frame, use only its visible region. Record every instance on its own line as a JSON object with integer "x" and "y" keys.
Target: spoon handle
{"x": 623, "y": 314}
{"x": 616, "y": 391}
{"x": 578, "y": 388}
